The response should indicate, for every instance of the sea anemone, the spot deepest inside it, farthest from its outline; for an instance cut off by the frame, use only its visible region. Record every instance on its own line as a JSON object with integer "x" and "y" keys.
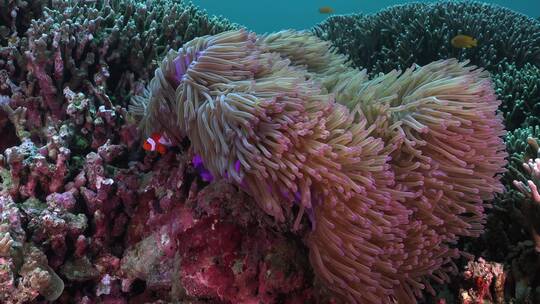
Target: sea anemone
{"x": 447, "y": 151}
{"x": 393, "y": 170}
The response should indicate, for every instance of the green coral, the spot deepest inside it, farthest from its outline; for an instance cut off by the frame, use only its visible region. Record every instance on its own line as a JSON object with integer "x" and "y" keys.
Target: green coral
{"x": 508, "y": 221}
{"x": 402, "y": 35}
{"x": 5, "y": 177}
{"x": 81, "y": 143}
{"x": 79, "y": 270}
{"x": 33, "y": 207}
{"x": 519, "y": 90}
{"x": 519, "y": 150}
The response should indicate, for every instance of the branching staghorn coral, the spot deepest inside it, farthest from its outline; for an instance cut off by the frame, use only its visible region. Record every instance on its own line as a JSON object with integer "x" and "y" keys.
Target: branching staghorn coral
{"x": 519, "y": 90}
{"x": 16, "y": 15}
{"x": 101, "y": 48}
{"x": 391, "y": 171}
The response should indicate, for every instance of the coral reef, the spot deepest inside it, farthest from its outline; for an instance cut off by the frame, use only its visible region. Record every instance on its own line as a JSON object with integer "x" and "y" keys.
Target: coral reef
{"x": 87, "y": 217}
{"x": 507, "y": 226}
{"x": 24, "y": 270}
{"x": 530, "y": 189}
{"x": 511, "y": 235}
{"x": 519, "y": 90}
{"x": 399, "y": 36}
{"x": 104, "y": 49}
{"x": 204, "y": 253}
{"x": 16, "y": 16}
{"x": 483, "y": 277}
{"x": 419, "y": 33}
{"x": 379, "y": 178}
{"x": 402, "y": 35}
{"x": 72, "y": 176}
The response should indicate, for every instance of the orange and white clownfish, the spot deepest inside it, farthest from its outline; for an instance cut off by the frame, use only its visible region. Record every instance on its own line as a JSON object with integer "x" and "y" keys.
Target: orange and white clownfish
{"x": 157, "y": 142}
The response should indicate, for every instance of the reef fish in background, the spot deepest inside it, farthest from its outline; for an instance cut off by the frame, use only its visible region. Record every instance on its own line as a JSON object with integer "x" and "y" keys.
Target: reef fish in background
{"x": 157, "y": 142}
{"x": 464, "y": 42}
{"x": 326, "y": 10}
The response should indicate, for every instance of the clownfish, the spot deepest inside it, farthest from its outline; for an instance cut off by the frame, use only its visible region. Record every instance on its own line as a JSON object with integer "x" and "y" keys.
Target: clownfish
{"x": 157, "y": 142}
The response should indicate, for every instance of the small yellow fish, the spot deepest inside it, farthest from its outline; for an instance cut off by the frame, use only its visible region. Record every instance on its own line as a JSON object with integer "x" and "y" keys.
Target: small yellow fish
{"x": 463, "y": 42}
{"x": 326, "y": 10}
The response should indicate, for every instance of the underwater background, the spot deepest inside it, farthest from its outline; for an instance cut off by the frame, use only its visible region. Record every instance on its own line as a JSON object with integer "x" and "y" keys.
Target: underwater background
{"x": 166, "y": 151}
{"x": 274, "y": 15}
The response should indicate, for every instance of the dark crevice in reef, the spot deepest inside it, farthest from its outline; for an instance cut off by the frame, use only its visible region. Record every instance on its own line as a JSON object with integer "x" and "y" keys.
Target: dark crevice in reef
{"x": 8, "y": 137}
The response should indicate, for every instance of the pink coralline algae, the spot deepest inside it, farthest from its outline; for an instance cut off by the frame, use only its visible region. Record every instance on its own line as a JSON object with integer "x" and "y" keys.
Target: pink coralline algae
{"x": 486, "y": 283}
{"x": 211, "y": 246}
{"x": 146, "y": 219}
{"x": 25, "y": 273}
{"x": 115, "y": 208}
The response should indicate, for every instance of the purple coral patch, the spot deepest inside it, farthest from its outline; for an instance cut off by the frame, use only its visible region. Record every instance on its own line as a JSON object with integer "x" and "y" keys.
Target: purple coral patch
{"x": 197, "y": 161}
{"x": 203, "y": 172}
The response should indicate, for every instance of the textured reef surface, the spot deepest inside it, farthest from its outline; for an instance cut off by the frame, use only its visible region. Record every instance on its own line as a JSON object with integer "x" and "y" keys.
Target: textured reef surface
{"x": 293, "y": 176}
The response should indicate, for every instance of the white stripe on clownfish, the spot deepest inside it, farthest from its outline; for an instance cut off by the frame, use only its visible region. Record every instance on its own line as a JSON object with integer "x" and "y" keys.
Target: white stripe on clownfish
{"x": 152, "y": 143}
{"x": 164, "y": 140}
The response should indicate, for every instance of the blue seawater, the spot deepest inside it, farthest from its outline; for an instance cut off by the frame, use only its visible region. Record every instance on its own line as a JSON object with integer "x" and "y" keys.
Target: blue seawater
{"x": 273, "y": 15}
